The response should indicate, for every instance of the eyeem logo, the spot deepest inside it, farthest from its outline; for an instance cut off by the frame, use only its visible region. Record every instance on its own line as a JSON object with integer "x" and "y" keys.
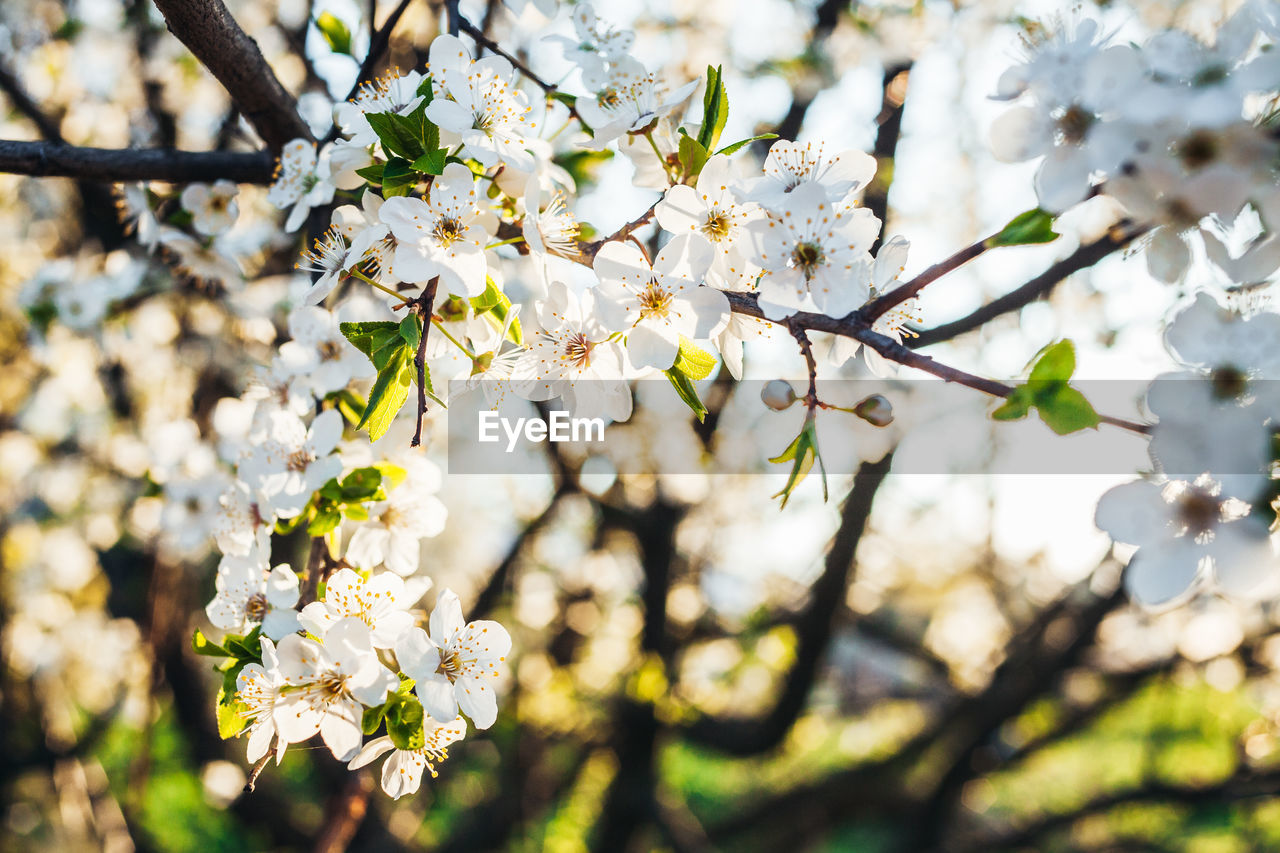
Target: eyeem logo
{"x": 560, "y": 427}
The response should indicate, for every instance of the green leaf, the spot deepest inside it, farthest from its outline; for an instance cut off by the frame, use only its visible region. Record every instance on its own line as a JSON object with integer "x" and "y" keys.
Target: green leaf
{"x": 370, "y": 335}
{"x": 741, "y": 143}
{"x": 686, "y": 391}
{"x": 565, "y": 98}
{"x": 411, "y": 330}
{"x": 715, "y": 110}
{"x": 389, "y": 392}
{"x": 399, "y": 135}
{"x": 1066, "y": 410}
{"x": 202, "y": 645}
{"x": 693, "y": 361}
{"x": 693, "y": 156}
{"x": 494, "y": 301}
{"x": 372, "y": 717}
{"x": 247, "y": 648}
{"x": 802, "y": 452}
{"x": 1015, "y": 406}
{"x": 404, "y": 722}
{"x": 335, "y": 32}
{"x": 349, "y": 404}
{"x": 1033, "y": 226}
{"x": 433, "y": 162}
{"x": 362, "y": 484}
{"x": 392, "y": 475}
{"x": 231, "y": 715}
{"x": 1055, "y": 363}
{"x": 372, "y": 174}
{"x": 398, "y": 177}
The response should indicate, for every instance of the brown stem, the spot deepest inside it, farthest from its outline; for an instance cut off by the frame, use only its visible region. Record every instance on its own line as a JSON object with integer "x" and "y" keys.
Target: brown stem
{"x": 209, "y": 31}
{"x": 885, "y": 302}
{"x": 423, "y": 305}
{"x": 317, "y": 566}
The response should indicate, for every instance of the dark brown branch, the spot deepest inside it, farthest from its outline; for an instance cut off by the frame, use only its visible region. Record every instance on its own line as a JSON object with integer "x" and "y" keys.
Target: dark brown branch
{"x": 1039, "y": 287}
{"x": 209, "y": 32}
{"x": 813, "y": 631}
{"x": 888, "y": 132}
{"x": 57, "y": 160}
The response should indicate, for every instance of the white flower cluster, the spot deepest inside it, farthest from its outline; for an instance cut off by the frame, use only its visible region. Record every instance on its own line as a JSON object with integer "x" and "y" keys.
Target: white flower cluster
{"x": 1177, "y": 130}
{"x": 1203, "y": 519}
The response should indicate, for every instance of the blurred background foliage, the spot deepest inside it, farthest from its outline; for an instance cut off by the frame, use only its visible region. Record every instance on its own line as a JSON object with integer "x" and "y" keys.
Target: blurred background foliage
{"x": 927, "y": 664}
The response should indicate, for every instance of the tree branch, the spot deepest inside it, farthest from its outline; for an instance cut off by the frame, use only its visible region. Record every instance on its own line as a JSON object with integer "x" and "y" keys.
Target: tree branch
{"x": 1121, "y": 235}
{"x": 57, "y": 160}
{"x": 209, "y": 32}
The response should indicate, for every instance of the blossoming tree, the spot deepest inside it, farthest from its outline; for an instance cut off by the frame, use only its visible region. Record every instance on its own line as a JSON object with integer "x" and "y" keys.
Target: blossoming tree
{"x": 432, "y": 218}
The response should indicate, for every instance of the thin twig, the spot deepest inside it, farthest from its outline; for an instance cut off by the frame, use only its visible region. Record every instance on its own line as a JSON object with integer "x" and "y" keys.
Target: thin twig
{"x": 378, "y": 43}
{"x": 491, "y": 45}
{"x": 423, "y": 306}
{"x": 453, "y": 17}
{"x": 879, "y": 306}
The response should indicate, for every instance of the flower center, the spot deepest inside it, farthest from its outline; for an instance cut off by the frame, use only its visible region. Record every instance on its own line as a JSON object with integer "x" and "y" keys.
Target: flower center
{"x": 717, "y": 225}
{"x": 1197, "y": 150}
{"x": 448, "y": 231}
{"x": 1198, "y": 510}
{"x": 807, "y": 257}
{"x": 255, "y": 608}
{"x": 577, "y": 349}
{"x": 1074, "y": 124}
{"x": 1229, "y": 383}
{"x": 450, "y": 667}
{"x": 333, "y": 685}
{"x": 654, "y": 301}
{"x": 330, "y": 351}
{"x": 299, "y": 460}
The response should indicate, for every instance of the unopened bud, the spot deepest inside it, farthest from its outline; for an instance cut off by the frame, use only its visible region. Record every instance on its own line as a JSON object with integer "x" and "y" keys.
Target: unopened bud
{"x": 778, "y": 394}
{"x": 875, "y": 410}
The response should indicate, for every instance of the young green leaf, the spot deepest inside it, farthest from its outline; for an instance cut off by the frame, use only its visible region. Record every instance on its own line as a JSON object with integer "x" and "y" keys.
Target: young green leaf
{"x": 369, "y": 336}
{"x": 230, "y": 714}
{"x": 400, "y": 135}
{"x": 693, "y": 156}
{"x": 411, "y": 330}
{"x": 202, "y": 645}
{"x": 1055, "y": 363}
{"x": 1066, "y": 410}
{"x": 405, "y": 718}
{"x": 389, "y": 392}
{"x": 686, "y": 391}
{"x": 802, "y": 452}
{"x": 398, "y": 177}
{"x": 715, "y": 110}
{"x": 693, "y": 361}
{"x": 735, "y": 147}
{"x": 1032, "y": 226}
{"x": 335, "y": 32}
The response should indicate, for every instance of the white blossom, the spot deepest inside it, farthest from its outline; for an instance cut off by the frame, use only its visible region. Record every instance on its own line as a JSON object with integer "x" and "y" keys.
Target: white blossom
{"x": 302, "y": 181}
{"x": 402, "y": 771}
{"x": 249, "y": 594}
{"x": 452, "y": 665}
{"x": 378, "y": 602}
{"x": 213, "y": 207}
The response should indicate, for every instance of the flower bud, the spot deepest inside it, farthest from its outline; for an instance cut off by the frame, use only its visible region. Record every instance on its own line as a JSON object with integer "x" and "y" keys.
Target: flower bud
{"x": 875, "y": 410}
{"x": 778, "y": 394}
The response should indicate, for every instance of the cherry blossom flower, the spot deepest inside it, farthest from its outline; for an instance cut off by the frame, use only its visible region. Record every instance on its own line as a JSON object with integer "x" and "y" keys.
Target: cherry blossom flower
{"x": 327, "y": 686}
{"x": 378, "y": 602}
{"x": 656, "y": 305}
{"x": 402, "y": 771}
{"x": 573, "y": 357}
{"x": 258, "y": 689}
{"x": 320, "y": 352}
{"x": 596, "y": 43}
{"x": 1187, "y": 534}
{"x": 815, "y": 256}
{"x": 248, "y": 594}
{"x": 332, "y": 255}
{"x": 213, "y": 208}
{"x": 710, "y": 211}
{"x": 394, "y": 93}
{"x": 791, "y": 164}
{"x": 483, "y": 106}
{"x": 241, "y": 524}
{"x": 550, "y": 228}
{"x": 302, "y": 181}
{"x": 444, "y": 235}
{"x": 451, "y": 665}
{"x": 634, "y": 108}
{"x": 889, "y": 264}
{"x": 292, "y": 461}
{"x": 396, "y": 527}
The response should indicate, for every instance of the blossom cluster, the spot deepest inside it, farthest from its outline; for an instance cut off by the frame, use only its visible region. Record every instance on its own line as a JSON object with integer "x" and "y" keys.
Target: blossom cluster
{"x": 1177, "y": 130}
